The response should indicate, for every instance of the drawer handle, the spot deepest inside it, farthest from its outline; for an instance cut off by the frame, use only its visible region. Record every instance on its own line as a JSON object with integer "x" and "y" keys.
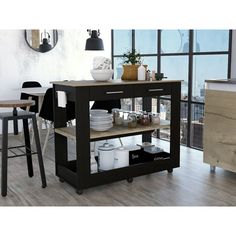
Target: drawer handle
{"x": 114, "y": 92}
{"x": 155, "y": 90}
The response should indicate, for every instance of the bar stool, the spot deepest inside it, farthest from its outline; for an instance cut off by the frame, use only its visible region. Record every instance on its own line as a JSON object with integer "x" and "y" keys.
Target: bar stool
{"x": 15, "y": 116}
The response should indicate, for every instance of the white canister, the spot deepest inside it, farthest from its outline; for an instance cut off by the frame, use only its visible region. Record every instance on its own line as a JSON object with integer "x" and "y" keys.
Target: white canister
{"x": 93, "y": 164}
{"x": 106, "y": 157}
{"x": 121, "y": 157}
{"x": 141, "y": 72}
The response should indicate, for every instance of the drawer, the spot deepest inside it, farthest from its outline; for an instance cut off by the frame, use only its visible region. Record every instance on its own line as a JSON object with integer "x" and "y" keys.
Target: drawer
{"x": 152, "y": 90}
{"x": 110, "y": 92}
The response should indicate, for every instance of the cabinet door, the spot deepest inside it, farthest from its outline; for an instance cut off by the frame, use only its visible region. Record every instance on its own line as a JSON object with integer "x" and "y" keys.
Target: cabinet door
{"x": 111, "y": 92}
{"x": 219, "y": 136}
{"x": 150, "y": 90}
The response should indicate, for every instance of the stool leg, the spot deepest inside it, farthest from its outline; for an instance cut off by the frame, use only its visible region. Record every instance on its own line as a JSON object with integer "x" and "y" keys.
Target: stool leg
{"x": 4, "y": 156}
{"x": 15, "y": 122}
{"x": 39, "y": 151}
{"x": 28, "y": 148}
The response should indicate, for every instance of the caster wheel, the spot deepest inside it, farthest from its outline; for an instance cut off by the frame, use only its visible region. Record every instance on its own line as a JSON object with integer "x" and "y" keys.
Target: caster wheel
{"x": 212, "y": 169}
{"x": 130, "y": 180}
{"x": 170, "y": 170}
{"x": 79, "y": 192}
{"x": 44, "y": 185}
{"x": 61, "y": 180}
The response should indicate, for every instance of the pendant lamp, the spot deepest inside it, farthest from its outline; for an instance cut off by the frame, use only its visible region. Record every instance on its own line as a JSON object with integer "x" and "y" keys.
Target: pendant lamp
{"x": 94, "y": 42}
{"x": 45, "y": 40}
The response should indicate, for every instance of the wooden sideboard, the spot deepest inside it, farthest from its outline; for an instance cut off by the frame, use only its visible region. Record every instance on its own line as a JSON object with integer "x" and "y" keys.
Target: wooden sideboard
{"x": 219, "y": 136}
{"x": 77, "y": 173}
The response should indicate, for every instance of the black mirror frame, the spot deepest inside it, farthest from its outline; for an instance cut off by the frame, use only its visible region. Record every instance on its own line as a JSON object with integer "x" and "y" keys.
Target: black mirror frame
{"x": 36, "y": 49}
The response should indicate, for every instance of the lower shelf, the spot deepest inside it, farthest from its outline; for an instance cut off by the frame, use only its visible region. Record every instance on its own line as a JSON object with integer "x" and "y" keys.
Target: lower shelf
{"x": 161, "y": 156}
{"x": 69, "y": 173}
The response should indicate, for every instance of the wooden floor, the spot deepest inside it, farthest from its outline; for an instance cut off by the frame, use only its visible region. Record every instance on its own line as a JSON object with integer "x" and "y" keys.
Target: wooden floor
{"x": 190, "y": 185}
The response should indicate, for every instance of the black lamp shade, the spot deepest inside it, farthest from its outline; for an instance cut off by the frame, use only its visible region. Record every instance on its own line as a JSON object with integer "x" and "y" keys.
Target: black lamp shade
{"x": 45, "y": 46}
{"x": 94, "y": 43}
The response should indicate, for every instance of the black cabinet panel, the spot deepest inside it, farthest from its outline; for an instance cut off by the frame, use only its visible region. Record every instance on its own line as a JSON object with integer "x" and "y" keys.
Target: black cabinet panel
{"x": 110, "y": 92}
{"x": 151, "y": 90}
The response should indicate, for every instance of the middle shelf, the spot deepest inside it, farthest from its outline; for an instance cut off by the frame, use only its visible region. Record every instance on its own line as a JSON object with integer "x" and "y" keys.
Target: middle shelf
{"x": 115, "y": 131}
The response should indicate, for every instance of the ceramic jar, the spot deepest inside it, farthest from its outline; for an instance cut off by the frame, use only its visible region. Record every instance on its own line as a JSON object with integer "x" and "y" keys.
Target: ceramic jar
{"x": 145, "y": 120}
{"x": 139, "y": 117}
{"x": 156, "y": 118}
{"x": 125, "y": 119}
{"x": 132, "y": 120}
{"x": 93, "y": 164}
{"x": 105, "y": 157}
{"x": 115, "y": 113}
{"x": 118, "y": 116}
{"x": 121, "y": 157}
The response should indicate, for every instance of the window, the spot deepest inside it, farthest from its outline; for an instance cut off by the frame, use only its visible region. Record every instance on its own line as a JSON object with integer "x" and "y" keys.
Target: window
{"x": 206, "y": 67}
{"x": 122, "y": 40}
{"x": 176, "y": 67}
{"x": 117, "y": 66}
{"x": 197, "y": 125}
{"x": 189, "y": 55}
{"x": 150, "y": 39}
{"x": 151, "y": 62}
{"x": 174, "y": 41}
{"x": 211, "y": 40}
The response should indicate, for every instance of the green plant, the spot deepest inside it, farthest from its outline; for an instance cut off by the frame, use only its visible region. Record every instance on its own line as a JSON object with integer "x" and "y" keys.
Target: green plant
{"x": 132, "y": 57}
{"x": 159, "y": 76}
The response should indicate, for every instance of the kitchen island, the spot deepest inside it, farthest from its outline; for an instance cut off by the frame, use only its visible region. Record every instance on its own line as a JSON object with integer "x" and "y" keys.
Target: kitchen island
{"x": 219, "y": 136}
{"x": 77, "y": 173}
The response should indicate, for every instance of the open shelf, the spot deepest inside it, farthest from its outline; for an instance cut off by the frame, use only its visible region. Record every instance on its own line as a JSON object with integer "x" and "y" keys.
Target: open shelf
{"x": 114, "y": 132}
{"x": 69, "y": 172}
{"x": 163, "y": 156}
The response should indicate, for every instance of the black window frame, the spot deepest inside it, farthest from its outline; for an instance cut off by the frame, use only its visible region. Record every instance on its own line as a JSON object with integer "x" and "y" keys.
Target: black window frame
{"x": 190, "y": 55}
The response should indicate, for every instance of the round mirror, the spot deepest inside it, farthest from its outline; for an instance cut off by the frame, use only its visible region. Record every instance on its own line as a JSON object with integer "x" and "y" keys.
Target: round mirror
{"x": 41, "y": 40}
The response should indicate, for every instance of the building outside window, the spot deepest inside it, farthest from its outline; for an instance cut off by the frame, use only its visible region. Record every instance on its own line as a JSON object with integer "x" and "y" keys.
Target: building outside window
{"x": 192, "y": 56}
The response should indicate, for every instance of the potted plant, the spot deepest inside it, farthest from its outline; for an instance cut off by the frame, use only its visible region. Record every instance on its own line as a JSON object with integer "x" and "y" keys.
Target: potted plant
{"x": 159, "y": 76}
{"x": 132, "y": 61}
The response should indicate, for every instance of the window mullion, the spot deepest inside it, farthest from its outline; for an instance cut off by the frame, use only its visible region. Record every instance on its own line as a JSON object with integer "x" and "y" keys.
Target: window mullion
{"x": 133, "y": 48}
{"x": 229, "y": 54}
{"x": 190, "y": 82}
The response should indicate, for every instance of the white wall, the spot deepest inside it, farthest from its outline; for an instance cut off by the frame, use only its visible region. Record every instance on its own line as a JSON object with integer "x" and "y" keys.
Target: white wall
{"x": 68, "y": 60}
{"x": 233, "y": 62}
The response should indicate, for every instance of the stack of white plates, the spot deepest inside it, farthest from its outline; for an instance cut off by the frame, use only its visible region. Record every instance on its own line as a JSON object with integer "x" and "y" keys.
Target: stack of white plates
{"x": 100, "y": 120}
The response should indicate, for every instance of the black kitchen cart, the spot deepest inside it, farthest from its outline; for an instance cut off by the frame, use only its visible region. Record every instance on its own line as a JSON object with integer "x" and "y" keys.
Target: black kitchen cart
{"x": 77, "y": 172}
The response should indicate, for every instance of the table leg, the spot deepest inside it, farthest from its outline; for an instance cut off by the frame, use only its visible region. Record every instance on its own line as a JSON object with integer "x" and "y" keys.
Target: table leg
{"x": 4, "y": 157}
{"x": 40, "y": 102}
{"x": 40, "y": 157}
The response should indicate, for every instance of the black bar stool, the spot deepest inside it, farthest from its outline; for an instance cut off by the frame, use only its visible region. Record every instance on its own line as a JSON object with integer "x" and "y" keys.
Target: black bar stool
{"x": 24, "y": 116}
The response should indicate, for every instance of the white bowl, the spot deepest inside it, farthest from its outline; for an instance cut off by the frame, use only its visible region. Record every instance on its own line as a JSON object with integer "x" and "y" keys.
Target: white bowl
{"x": 101, "y": 128}
{"x": 101, "y": 75}
{"x": 95, "y": 112}
{"x": 97, "y": 123}
{"x": 101, "y": 119}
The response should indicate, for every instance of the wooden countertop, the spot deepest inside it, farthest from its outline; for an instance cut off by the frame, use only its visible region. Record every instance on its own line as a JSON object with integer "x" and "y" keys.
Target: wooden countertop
{"x": 92, "y": 83}
{"x": 16, "y": 103}
{"x": 225, "y": 81}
